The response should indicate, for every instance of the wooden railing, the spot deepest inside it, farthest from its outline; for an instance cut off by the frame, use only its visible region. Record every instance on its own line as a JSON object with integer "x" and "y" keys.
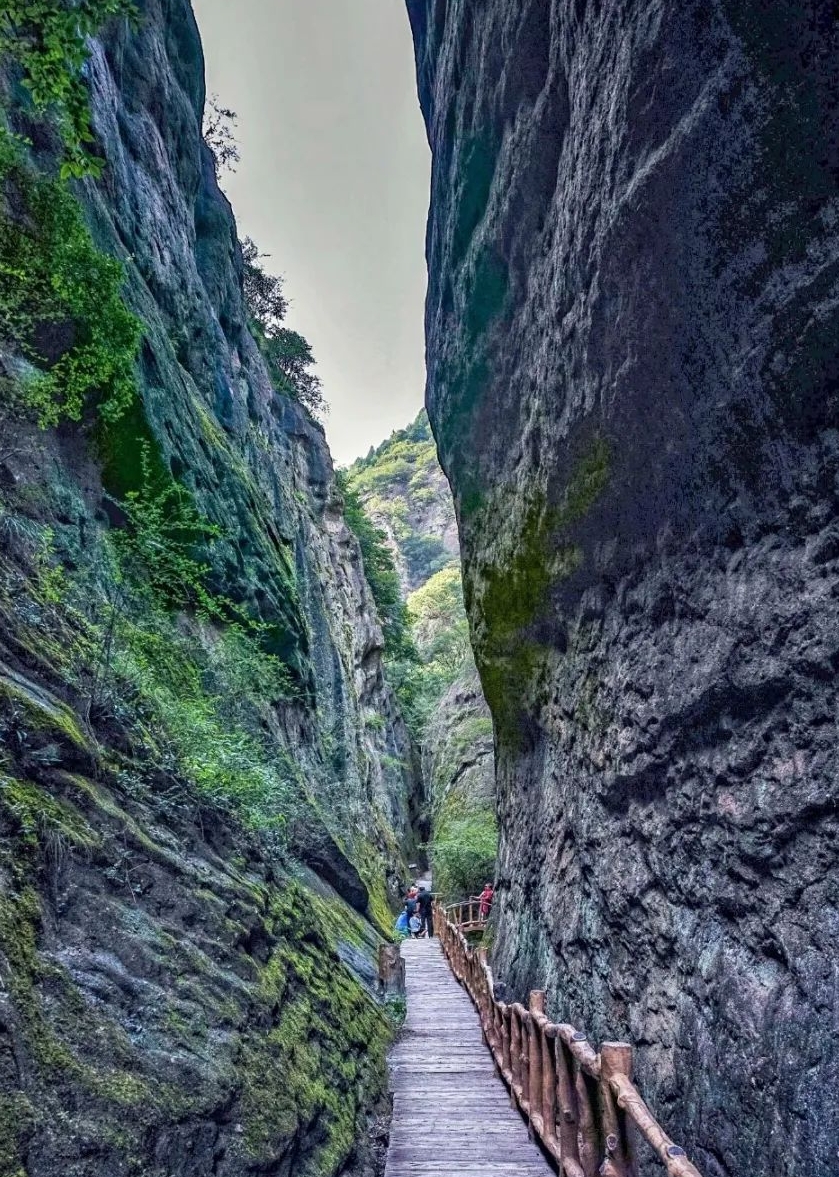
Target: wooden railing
{"x": 581, "y": 1103}
{"x": 467, "y": 916}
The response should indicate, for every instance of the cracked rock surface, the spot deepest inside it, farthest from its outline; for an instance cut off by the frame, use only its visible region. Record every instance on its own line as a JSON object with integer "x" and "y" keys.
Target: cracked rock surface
{"x": 632, "y": 341}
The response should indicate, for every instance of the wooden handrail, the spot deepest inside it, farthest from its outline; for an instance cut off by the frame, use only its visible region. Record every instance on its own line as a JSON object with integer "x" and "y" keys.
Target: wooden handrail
{"x": 580, "y": 1102}
{"x": 467, "y": 915}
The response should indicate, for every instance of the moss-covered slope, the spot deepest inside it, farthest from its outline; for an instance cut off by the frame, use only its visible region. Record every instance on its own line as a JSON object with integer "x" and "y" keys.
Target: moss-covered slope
{"x": 205, "y": 781}
{"x": 407, "y": 496}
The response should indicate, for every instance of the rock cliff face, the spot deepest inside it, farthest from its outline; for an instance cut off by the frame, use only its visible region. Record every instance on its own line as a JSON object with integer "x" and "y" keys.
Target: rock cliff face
{"x": 256, "y": 464}
{"x": 204, "y": 799}
{"x": 632, "y": 325}
{"x": 459, "y": 745}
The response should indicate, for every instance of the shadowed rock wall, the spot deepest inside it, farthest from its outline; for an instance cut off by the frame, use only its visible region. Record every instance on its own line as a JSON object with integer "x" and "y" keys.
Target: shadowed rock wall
{"x": 256, "y": 464}
{"x": 187, "y": 983}
{"x": 633, "y": 362}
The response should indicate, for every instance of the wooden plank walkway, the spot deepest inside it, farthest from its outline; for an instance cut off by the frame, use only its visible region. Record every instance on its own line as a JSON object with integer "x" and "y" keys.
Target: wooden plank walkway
{"x": 451, "y": 1112}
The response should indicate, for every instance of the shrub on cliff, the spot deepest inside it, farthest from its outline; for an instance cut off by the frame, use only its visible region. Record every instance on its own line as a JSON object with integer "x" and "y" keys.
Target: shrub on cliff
{"x": 47, "y": 40}
{"x": 219, "y": 137}
{"x": 61, "y": 307}
{"x": 290, "y": 361}
{"x": 61, "y": 300}
{"x": 264, "y": 296}
{"x": 381, "y": 574}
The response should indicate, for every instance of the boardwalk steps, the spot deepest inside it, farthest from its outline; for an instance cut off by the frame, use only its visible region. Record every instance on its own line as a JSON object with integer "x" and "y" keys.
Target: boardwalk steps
{"x": 451, "y": 1113}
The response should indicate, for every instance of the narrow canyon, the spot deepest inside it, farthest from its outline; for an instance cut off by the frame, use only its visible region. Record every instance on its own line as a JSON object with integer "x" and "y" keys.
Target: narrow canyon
{"x": 569, "y": 630}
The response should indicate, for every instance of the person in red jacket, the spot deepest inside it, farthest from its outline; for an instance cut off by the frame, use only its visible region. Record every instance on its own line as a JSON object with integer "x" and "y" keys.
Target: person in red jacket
{"x": 486, "y": 897}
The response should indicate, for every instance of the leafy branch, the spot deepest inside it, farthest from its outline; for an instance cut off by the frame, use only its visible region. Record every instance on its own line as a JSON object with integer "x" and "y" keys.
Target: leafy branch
{"x": 219, "y": 123}
{"x": 48, "y": 40}
{"x": 288, "y": 355}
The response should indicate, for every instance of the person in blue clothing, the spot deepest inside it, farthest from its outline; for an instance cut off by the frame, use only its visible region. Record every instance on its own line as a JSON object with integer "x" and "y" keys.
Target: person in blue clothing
{"x": 402, "y": 926}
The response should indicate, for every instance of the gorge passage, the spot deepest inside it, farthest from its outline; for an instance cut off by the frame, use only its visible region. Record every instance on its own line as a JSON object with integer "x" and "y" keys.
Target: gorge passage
{"x": 226, "y": 739}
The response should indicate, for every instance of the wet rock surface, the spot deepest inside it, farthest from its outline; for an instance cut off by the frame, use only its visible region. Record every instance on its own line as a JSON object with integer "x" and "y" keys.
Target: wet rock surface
{"x": 632, "y": 325}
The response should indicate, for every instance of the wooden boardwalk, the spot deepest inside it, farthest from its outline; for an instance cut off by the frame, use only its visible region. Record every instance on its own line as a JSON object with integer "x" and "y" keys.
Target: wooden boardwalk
{"x": 451, "y": 1112}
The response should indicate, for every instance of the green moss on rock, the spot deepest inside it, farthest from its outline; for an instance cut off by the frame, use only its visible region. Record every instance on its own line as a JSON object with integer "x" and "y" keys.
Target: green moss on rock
{"x": 515, "y": 590}
{"x": 44, "y": 713}
{"x": 327, "y": 1043}
{"x": 17, "y": 1118}
{"x": 42, "y": 816}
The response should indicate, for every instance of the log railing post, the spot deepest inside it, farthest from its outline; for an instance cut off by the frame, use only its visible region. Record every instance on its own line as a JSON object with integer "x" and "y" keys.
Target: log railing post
{"x": 567, "y": 1099}
{"x": 485, "y": 1009}
{"x": 587, "y": 1134}
{"x": 498, "y": 1011}
{"x": 536, "y": 1006}
{"x": 548, "y": 1087}
{"x": 515, "y": 1053}
{"x": 615, "y": 1059}
{"x": 525, "y": 1059}
{"x": 479, "y": 985}
{"x": 391, "y": 970}
{"x": 506, "y": 1065}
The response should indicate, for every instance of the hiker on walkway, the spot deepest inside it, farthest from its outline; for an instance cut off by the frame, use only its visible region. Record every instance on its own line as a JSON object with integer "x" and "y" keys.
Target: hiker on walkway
{"x": 424, "y": 903}
{"x": 486, "y": 896}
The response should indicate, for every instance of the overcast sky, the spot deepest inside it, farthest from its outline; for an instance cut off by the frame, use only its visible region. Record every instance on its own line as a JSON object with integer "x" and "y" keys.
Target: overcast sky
{"x": 333, "y": 183}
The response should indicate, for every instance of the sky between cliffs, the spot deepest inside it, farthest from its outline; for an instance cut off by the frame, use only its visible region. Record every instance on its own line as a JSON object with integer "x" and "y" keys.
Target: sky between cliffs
{"x": 333, "y": 184}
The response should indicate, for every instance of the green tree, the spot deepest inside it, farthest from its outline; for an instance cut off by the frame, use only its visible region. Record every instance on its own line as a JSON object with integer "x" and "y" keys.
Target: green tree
{"x": 290, "y": 362}
{"x": 264, "y": 297}
{"x": 288, "y": 355}
{"x": 463, "y": 853}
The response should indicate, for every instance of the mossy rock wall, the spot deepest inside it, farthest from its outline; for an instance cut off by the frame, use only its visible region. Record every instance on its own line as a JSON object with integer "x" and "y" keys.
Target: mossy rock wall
{"x": 172, "y": 1003}
{"x": 460, "y": 766}
{"x": 256, "y": 464}
{"x": 186, "y": 981}
{"x": 633, "y": 381}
